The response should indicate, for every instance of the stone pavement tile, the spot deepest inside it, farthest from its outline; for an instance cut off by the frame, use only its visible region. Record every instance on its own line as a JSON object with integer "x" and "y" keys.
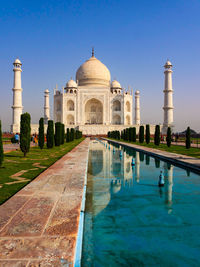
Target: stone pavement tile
{"x": 40, "y": 248}
{"x": 13, "y": 263}
{"x": 64, "y": 220}
{"x": 31, "y": 220}
{"x": 9, "y": 208}
{"x": 44, "y": 228}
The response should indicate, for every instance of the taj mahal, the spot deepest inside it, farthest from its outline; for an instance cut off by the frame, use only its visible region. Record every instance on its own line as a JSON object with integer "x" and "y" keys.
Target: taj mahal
{"x": 93, "y": 103}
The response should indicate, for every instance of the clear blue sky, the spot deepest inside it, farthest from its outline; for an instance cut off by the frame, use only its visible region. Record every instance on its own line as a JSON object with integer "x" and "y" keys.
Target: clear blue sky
{"x": 133, "y": 39}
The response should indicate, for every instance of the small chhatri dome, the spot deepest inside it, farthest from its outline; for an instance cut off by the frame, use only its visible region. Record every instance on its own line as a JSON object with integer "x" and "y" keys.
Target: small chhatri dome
{"x": 137, "y": 92}
{"x": 46, "y": 91}
{"x": 115, "y": 85}
{"x": 71, "y": 84}
{"x": 168, "y": 64}
{"x": 93, "y": 73}
{"x": 17, "y": 61}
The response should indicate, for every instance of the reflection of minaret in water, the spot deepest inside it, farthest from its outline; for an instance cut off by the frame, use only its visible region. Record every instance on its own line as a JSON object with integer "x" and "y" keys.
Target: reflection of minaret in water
{"x": 137, "y": 167}
{"x": 168, "y": 174}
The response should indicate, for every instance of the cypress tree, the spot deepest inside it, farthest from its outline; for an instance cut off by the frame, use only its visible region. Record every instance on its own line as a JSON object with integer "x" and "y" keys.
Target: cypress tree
{"x": 187, "y": 140}
{"x": 1, "y": 147}
{"x": 126, "y": 134}
{"x": 141, "y": 134}
{"x": 134, "y": 134}
{"x": 62, "y": 133}
{"x": 41, "y": 133}
{"x": 129, "y": 134}
{"x": 68, "y": 136}
{"x": 169, "y": 137}
{"x": 72, "y": 134}
{"x": 50, "y": 134}
{"x": 108, "y": 134}
{"x": 157, "y": 135}
{"x": 25, "y": 133}
{"x": 57, "y": 134}
{"x": 122, "y": 135}
{"x": 147, "y": 136}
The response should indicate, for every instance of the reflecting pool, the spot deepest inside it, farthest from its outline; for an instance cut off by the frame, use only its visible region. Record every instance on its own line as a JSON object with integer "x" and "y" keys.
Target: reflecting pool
{"x": 129, "y": 220}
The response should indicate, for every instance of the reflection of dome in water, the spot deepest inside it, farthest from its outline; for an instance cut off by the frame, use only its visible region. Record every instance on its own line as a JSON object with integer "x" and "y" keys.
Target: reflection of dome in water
{"x": 101, "y": 200}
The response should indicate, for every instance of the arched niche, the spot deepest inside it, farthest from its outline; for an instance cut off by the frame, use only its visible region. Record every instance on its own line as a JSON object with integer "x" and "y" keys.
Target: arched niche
{"x": 58, "y": 118}
{"x": 128, "y": 106}
{"x": 70, "y": 105}
{"x": 70, "y": 119}
{"x": 116, "y": 119}
{"x": 58, "y": 105}
{"x": 116, "y": 105}
{"x": 93, "y": 112}
{"x": 128, "y": 120}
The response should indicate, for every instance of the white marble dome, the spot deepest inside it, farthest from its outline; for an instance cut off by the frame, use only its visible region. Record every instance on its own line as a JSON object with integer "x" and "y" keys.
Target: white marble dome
{"x": 115, "y": 84}
{"x": 93, "y": 73}
{"x": 71, "y": 84}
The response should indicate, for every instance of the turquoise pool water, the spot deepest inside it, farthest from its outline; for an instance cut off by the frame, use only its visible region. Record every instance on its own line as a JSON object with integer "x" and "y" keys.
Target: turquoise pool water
{"x": 130, "y": 221}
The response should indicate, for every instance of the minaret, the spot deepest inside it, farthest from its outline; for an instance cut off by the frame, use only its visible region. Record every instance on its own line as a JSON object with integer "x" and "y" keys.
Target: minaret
{"x": 137, "y": 107}
{"x": 17, "y": 97}
{"x": 46, "y": 106}
{"x": 168, "y": 98}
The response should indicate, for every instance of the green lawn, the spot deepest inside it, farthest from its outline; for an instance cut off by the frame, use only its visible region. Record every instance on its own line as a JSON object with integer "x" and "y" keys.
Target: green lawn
{"x": 192, "y": 152}
{"x": 15, "y": 162}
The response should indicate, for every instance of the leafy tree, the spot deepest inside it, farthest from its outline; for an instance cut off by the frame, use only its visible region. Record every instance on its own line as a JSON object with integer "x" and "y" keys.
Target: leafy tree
{"x": 141, "y": 134}
{"x": 50, "y": 134}
{"x": 147, "y": 136}
{"x": 1, "y": 147}
{"x": 134, "y": 134}
{"x": 41, "y": 133}
{"x": 58, "y": 133}
{"x": 169, "y": 137}
{"x": 157, "y": 135}
{"x": 109, "y": 134}
{"x": 68, "y": 136}
{"x": 187, "y": 140}
{"x": 25, "y": 133}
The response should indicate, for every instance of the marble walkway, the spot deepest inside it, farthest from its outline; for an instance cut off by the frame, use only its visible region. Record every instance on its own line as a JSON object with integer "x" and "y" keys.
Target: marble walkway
{"x": 39, "y": 225}
{"x": 183, "y": 160}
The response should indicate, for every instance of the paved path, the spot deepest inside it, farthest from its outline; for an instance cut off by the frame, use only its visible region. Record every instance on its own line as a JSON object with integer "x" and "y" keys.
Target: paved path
{"x": 39, "y": 225}
{"x": 186, "y": 161}
{"x": 11, "y": 147}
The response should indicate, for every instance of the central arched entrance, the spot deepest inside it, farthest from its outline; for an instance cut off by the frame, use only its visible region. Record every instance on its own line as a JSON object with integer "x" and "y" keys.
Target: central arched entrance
{"x": 93, "y": 112}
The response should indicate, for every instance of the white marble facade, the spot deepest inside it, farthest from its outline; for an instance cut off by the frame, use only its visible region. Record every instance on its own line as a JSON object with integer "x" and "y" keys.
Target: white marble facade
{"x": 93, "y": 103}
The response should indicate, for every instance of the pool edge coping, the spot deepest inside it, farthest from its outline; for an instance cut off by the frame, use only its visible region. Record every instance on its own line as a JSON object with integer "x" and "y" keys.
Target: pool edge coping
{"x": 79, "y": 239}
